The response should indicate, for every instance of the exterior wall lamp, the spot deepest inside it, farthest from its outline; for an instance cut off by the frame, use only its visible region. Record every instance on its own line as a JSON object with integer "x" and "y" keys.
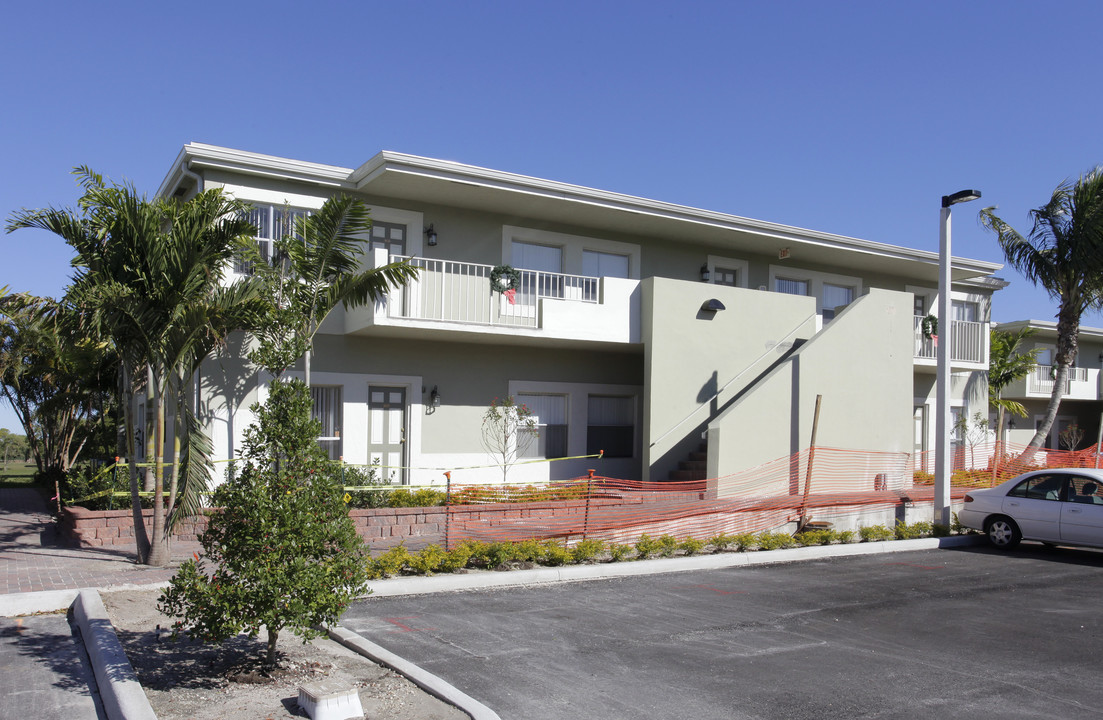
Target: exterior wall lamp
{"x": 705, "y": 274}
{"x": 434, "y": 398}
{"x": 431, "y": 235}
{"x": 711, "y": 306}
{"x": 942, "y": 385}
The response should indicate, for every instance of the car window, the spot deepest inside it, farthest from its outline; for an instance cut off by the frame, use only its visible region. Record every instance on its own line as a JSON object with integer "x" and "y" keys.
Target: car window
{"x": 1085, "y": 490}
{"x": 1040, "y": 487}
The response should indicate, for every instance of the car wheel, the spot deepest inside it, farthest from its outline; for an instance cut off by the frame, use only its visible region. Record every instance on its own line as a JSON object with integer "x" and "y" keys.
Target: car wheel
{"x": 1002, "y": 532}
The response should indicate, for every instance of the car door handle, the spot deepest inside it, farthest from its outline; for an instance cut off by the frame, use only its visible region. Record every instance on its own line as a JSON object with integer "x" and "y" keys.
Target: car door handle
{"x": 1074, "y": 510}
{"x": 1013, "y": 504}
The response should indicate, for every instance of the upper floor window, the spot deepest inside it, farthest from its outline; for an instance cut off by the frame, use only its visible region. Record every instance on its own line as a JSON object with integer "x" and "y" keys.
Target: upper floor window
{"x": 603, "y": 264}
{"x": 965, "y": 311}
{"x": 920, "y": 303}
{"x": 273, "y": 222}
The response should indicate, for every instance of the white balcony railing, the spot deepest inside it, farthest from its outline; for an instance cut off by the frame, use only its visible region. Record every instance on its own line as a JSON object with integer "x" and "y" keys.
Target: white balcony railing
{"x": 967, "y": 341}
{"x": 460, "y": 292}
{"x": 1041, "y": 379}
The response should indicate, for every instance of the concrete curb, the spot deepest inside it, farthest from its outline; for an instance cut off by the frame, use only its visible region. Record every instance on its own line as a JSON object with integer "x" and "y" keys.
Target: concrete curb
{"x": 425, "y": 680}
{"x": 122, "y": 695}
{"x": 29, "y": 603}
{"x": 577, "y": 573}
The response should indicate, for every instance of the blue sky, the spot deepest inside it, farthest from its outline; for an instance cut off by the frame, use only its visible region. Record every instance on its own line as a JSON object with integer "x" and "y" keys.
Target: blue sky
{"x": 852, "y": 118}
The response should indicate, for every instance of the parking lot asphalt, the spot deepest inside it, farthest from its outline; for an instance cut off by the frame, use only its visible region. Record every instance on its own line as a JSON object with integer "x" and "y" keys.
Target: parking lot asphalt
{"x": 44, "y": 671}
{"x": 953, "y": 633}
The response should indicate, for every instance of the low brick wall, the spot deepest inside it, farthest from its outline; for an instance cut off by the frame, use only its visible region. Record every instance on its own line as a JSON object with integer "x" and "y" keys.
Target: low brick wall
{"x": 381, "y": 528}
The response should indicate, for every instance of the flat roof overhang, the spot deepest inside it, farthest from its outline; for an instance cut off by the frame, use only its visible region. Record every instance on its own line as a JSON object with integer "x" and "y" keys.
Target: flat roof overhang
{"x": 443, "y": 182}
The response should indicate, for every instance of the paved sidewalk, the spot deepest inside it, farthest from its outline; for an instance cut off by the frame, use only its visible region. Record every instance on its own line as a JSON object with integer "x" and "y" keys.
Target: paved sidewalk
{"x": 31, "y": 562}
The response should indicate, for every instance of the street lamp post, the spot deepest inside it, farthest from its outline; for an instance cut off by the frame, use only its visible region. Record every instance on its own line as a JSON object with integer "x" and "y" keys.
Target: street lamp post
{"x": 942, "y": 391}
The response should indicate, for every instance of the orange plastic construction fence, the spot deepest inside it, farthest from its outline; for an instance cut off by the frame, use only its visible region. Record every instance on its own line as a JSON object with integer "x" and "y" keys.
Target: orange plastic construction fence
{"x": 822, "y": 482}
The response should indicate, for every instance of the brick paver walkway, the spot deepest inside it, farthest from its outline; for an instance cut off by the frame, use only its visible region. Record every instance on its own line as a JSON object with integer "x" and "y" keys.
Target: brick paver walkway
{"x": 30, "y": 561}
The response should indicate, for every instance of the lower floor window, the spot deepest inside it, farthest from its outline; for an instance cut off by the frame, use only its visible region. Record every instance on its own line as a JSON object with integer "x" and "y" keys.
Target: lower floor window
{"x": 611, "y": 426}
{"x": 550, "y": 414}
{"x": 327, "y": 410}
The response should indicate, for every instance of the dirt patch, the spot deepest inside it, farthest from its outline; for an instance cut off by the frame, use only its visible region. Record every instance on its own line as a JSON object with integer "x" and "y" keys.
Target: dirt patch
{"x": 186, "y": 680}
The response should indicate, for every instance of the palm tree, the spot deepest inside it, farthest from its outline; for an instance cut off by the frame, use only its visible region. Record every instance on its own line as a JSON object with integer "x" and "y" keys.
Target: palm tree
{"x": 150, "y": 278}
{"x": 1007, "y": 362}
{"x": 1063, "y": 254}
{"x": 316, "y": 267}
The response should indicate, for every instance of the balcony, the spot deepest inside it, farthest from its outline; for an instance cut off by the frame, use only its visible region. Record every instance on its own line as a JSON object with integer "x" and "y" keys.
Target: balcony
{"x": 457, "y": 296}
{"x": 968, "y": 345}
{"x": 1081, "y": 384}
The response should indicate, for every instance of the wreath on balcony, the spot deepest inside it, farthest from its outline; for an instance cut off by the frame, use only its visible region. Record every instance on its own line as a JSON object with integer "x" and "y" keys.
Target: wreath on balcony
{"x": 504, "y": 278}
{"x": 930, "y": 327}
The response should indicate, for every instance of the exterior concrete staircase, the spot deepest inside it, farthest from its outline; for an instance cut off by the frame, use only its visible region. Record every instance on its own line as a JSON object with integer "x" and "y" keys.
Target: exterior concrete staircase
{"x": 695, "y": 467}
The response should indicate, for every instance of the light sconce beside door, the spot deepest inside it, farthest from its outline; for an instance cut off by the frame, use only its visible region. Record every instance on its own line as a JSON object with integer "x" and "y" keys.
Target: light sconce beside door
{"x": 711, "y": 306}
{"x": 705, "y": 275}
{"x": 434, "y": 398}
{"x": 431, "y": 235}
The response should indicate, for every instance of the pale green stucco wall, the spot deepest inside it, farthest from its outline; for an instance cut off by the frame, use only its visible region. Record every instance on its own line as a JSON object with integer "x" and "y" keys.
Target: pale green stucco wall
{"x": 861, "y": 364}
{"x": 689, "y": 355}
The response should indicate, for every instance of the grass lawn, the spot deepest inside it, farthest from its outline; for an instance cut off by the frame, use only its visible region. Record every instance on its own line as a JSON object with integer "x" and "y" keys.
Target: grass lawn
{"x": 17, "y": 475}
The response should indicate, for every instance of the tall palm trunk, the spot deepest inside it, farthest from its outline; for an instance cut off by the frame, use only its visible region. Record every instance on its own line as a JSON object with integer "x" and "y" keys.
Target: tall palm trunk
{"x": 1068, "y": 331}
{"x": 141, "y": 537}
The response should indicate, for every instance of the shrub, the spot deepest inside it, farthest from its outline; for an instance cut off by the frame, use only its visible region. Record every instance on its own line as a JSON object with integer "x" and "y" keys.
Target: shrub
{"x": 528, "y": 551}
{"x": 92, "y": 487}
{"x": 456, "y": 558}
{"x": 746, "y": 541}
{"x": 873, "y": 533}
{"x": 721, "y": 542}
{"x": 283, "y": 551}
{"x": 691, "y": 546}
{"x": 619, "y": 552}
{"x": 842, "y": 536}
{"x": 555, "y": 554}
{"x": 774, "y": 541}
{"x": 585, "y": 550}
{"x": 668, "y": 545}
{"x": 427, "y": 561}
{"x": 910, "y": 532}
{"x": 423, "y": 497}
{"x": 358, "y": 484}
{"x": 389, "y": 564}
{"x": 813, "y": 537}
{"x": 647, "y": 547}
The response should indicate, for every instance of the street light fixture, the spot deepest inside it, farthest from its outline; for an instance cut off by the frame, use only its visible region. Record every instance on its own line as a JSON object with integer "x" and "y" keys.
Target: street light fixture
{"x": 942, "y": 391}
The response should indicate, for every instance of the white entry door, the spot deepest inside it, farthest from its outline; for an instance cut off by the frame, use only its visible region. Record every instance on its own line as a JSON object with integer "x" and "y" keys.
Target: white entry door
{"x": 387, "y": 431}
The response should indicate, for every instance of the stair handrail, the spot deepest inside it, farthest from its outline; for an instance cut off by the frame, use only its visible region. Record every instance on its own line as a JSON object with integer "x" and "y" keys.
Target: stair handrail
{"x": 742, "y": 372}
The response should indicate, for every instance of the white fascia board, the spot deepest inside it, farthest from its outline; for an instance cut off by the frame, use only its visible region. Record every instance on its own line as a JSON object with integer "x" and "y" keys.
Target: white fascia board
{"x": 1047, "y": 328}
{"x": 200, "y": 155}
{"x": 496, "y": 179}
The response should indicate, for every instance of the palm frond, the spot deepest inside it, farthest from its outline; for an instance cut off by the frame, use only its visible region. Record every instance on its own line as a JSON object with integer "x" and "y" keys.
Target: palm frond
{"x": 196, "y": 470}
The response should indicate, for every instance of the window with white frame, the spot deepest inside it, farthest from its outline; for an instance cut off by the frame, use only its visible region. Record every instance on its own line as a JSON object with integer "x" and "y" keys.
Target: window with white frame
{"x": 611, "y": 426}
{"x": 603, "y": 264}
{"x": 326, "y": 409}
{"x": 273, "y": 222}
{"x": 541, "y": 267}
{"x": 550, "y": 414}
{"x": 964, "y": 311}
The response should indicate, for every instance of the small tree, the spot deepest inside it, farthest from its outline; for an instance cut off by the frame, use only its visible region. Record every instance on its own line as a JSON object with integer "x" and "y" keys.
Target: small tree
{"x": 284, "y": 550}
{"x": 1071, "y": 436}
{"x": 972, "y": 431}
{"x": 508, "y": 431}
